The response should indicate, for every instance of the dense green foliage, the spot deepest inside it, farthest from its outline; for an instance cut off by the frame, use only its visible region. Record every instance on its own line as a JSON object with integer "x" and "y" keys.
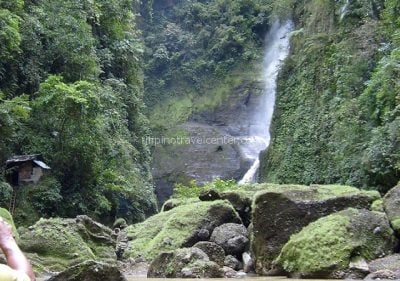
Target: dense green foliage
{"x": 71, "y": 89}
{"x": 337, "y": 113}
{"x": 192, "y": 44}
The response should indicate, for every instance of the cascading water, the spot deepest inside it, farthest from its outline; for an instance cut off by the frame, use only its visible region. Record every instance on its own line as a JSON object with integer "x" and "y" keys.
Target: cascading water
{"x": 276, "y": 50}
{"x": 343, "y": 9}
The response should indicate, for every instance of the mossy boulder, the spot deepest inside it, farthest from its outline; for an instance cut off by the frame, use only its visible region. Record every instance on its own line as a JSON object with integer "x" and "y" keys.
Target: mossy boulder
{"x": 184, "y": 263}
{"x": 181, "y": 226}
{"x": 55, "y": 244}
{"x": 90, "y": 271}
{"x": 282, "y": 210}
{"x": 326, "y": 247}
{"x": 5, "y": 214}
{"x": 391, "y": 204}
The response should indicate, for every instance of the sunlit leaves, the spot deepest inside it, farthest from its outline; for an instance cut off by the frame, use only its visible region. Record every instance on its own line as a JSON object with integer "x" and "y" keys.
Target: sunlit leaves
{"x": 10, "y": 37}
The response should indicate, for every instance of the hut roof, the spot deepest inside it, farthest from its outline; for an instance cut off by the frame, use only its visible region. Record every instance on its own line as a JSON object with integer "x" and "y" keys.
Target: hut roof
{"x": 19, "y": 159}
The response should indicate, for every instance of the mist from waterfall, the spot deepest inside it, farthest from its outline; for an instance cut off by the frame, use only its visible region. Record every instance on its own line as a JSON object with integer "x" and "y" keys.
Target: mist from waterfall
{"x": 276, "y": 50}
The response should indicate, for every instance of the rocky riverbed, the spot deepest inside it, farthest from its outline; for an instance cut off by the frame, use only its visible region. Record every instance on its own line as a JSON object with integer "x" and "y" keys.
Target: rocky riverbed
{"x": 263, "y": 229}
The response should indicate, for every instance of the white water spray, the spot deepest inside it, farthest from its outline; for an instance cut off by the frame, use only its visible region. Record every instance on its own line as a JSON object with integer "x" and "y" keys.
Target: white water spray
{"x": 276, "y": 50}
{"x": 343, "y": 9}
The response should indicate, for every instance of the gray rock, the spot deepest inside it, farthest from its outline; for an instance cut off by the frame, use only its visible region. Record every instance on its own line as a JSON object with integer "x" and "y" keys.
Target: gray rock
{"x": 391, "y": 262}
{"x": 233, "y": 262}
{"x": 391, "y": 204}
{"x": 196, "y": 161}
{"x": 184, "y": 263}
{"x": 203, "y": 234}
{"x": 284, "y": 210}
{"x": 383, "y": 275}
{"x": 215, "y": 252}
{"x": 232, "y": 237}
{"x": 90, "y": 271}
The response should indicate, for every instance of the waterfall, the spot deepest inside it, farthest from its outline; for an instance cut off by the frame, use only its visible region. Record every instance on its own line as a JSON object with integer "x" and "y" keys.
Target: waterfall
{"x": 276, "y": 50}
{"x": 343, "y": 10}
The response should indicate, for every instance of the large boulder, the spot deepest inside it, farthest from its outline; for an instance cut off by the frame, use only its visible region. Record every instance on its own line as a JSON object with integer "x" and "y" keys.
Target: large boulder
{"x": 55, "y": 244}
{"x": 232, "y": 237}
{"x": 90, "y": 271}
{"x": 215, "y": 252}
{"x": 282, "y": 210}
{"x": 184, "y": 263}
{"x": 391, "y": 204}
{"x": 182, "y": 226}
{"x": 332, "y": 246}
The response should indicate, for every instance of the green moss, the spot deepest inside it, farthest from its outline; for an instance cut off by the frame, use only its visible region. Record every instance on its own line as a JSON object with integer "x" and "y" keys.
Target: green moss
{"x": 311, "y": 249}
{"x": 5, "y": 214}
{"x": 330, "y": 243}
{"x": 55, "y": 244}
{"x": 56, "y": 238}
{"x": 316, "y": 192}
{"x": 396, "y": 224}
{"x": 377, "y": 206}
{"x": 169, "y": 230}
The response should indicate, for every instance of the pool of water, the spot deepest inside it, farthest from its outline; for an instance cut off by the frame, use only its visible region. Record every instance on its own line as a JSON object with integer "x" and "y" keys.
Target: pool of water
{"x": 225, "y": 279}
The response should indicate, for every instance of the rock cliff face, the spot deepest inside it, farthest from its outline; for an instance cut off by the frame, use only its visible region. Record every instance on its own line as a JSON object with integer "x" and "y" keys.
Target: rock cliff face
{"x": 214, "y": 149}
{"x": 336, "y": 117}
